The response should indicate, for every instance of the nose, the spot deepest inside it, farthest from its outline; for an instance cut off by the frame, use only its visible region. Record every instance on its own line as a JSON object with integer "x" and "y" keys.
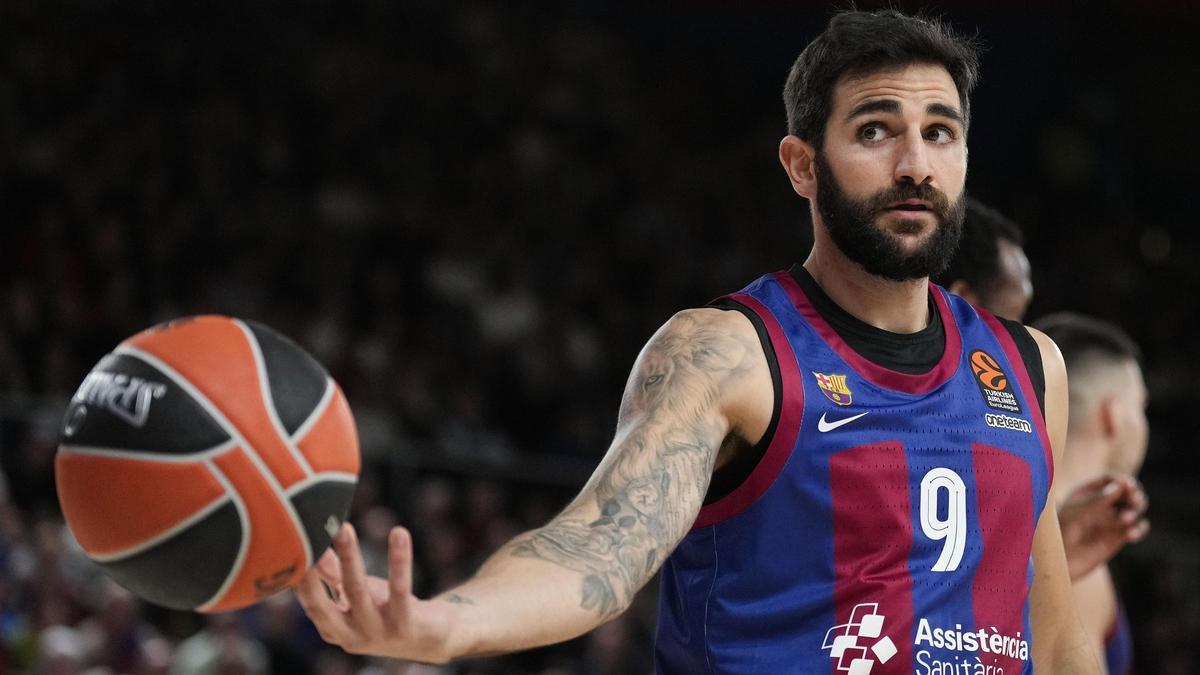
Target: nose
{"x": 912, "y": 163}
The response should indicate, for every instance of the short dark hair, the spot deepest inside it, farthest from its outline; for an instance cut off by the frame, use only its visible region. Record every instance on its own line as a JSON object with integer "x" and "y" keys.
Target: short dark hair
{"x": 862, "y": 42}
{"x": 1085, "y": 340}
{"x": 977, "y": 261}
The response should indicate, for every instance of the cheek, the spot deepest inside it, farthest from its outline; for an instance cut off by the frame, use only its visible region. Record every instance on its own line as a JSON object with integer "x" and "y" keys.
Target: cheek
{"x": 952, "y": 170}
{"x": 857, "y": 166}
{"x": 1136, "y": 439}
{"x": 1143, "y": 433}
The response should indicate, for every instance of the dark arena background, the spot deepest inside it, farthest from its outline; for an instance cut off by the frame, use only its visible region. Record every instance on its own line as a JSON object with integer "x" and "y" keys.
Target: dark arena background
{"x": 474, "y": 215}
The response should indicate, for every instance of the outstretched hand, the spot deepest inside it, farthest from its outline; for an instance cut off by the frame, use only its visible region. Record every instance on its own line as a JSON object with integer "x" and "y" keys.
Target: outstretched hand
{"x": 368, "y": 615}
{"x": 1098, "y": 518}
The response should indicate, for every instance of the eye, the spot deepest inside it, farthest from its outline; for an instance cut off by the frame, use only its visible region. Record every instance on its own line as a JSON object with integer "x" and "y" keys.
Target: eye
{"x": 872, "y": 133}
{"x": 939, "y": 134}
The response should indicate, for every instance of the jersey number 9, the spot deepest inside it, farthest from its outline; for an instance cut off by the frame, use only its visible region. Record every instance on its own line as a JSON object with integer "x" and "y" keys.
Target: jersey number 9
{"x": 952, "y": 529}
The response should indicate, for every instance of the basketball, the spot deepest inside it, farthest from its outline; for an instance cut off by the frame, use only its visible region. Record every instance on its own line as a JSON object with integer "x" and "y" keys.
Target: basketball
{"x": 205, "y": 463}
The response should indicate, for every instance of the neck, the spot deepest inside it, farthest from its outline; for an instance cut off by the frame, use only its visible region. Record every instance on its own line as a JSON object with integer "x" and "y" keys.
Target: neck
{"x": 895, "y": 306}
{"x": 1084, "y": 458}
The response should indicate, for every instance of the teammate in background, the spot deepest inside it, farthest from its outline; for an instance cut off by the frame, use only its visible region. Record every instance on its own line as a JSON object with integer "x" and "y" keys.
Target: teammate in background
{"x": 990, "y": 269}
{"x": 1107, "y": 434}
{"x": 839, "y": 467}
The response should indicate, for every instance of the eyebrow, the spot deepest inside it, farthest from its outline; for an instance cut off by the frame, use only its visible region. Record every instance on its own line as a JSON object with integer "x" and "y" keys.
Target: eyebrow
{"x": 887, "y": 105}
{"x": 944, "y": 110}
{"x": 879, "y": 105}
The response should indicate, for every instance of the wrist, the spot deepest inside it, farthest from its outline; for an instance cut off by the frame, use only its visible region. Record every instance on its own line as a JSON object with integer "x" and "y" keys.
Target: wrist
{"x": 459, "y": 634}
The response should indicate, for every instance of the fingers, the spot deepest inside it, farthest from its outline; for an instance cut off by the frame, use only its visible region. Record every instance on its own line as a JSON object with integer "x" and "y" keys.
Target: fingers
{"x": 1106, "y": 489}
{"x": 1121, "y": 492}
{"x": 1129, "y": 516}
{"x": 337, "y": 593}
{"x": 1132, "y": 503}
{"x": 1118, "y": 489}
{"x": 1095, "y": 485}
{"x": 329, "y": 569}
{"x": 362, "y": 611}
{"x": 1138, "y": 531}
{"x": 399, "y": 574}
{"x": 1129, "y": 498}
{"x": 325, "y": 615}
{"x": 1137, "y": 497}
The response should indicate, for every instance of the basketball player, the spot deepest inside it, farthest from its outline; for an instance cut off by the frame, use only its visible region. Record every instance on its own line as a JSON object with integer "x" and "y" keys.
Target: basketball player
{"x": 990, "y": 270}
{"x": 840, "y": 467}
{"x": 1107, "y": 434}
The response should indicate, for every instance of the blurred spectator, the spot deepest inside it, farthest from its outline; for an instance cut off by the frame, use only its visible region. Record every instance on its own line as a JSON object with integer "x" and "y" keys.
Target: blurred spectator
{"x": 116, "y": 636}
{"x": 281, "y": 637}
{"x": 223, "y": 647}
{"x": 59, "y": 651}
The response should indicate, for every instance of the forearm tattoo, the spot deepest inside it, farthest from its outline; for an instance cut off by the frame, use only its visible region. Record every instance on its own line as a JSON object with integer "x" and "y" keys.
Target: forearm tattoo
{"x": 650, "y": 486}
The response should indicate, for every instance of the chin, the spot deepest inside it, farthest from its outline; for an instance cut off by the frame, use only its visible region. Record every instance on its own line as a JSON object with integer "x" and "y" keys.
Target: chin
{"x": 910, "y": 243}
{"x": 924, "y": 226}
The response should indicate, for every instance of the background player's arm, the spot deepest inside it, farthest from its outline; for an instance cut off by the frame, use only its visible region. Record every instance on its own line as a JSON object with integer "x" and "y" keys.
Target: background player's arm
{"x": 1096, "y": 603}
{"x": 585, "y": 565}
{"x": 1059, "y": 643}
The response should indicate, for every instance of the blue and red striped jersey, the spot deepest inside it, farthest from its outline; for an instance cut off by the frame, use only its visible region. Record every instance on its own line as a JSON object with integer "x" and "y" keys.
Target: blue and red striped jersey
{"x": 887, "y": 527}
{"x": 1118, "y": 644}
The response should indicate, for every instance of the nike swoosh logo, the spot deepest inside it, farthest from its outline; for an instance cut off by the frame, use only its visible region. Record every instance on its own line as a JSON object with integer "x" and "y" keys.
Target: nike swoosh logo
{"x": 823, "y": 426}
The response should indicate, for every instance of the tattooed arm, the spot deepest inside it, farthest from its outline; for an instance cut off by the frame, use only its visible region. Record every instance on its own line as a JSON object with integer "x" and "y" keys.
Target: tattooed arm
{"x": 646, "y": 493}
{"x": 700, "y": 381}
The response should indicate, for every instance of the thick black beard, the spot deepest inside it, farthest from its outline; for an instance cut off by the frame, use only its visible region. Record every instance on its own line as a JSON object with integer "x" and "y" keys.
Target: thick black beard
{"x": 851, "y": 224}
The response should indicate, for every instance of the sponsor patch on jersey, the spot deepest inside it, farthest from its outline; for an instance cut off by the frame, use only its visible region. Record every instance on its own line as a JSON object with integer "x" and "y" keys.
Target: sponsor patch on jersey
{"x": 834, "y": 387}
{"x": 1006, "y": 422}
{"x": 856, "y": 646}
{"x": 862, "y": 643}
{"x": 995, "y": 385}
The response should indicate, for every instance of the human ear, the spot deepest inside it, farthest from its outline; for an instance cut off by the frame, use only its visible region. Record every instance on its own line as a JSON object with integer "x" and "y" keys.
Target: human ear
{"x": 797, "y": 157}
{"x": 1110, "y": 417}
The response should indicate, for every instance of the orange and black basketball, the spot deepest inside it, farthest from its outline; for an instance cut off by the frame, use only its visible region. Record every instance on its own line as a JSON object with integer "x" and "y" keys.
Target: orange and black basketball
{"x": 205, "y": 463}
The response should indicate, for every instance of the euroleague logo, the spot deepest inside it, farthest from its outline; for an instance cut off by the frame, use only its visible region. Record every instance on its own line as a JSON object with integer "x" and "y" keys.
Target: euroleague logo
{"x": 988, "y": 371}
{"x": 994, "y": 384}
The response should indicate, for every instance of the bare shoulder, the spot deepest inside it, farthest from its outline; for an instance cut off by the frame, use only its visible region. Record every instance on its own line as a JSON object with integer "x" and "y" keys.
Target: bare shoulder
{"x": 713, "y": 342}
{"x": 1044, "y": 342}
{"x": 1052, "y": 358}
{"x": 1057, "y": 397}
{"x": 725, "y": 346}
{"x": 712, "y": 323}
{"x": 730, "y": 334}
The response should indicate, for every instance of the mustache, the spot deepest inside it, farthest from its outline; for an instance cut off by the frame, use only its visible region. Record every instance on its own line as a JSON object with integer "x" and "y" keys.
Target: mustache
{"x": 939, "y": 203}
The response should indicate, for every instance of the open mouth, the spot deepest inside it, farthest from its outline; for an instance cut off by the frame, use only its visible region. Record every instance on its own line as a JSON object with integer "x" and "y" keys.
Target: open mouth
{"x": 912, "y": 205}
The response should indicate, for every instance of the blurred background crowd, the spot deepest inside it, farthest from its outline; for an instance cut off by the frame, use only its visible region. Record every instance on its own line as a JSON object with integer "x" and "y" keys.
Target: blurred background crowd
{"x": 474, "y": 214}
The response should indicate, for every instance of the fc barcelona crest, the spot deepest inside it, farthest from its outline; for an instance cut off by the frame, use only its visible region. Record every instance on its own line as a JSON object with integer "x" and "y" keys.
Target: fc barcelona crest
{"x": 834, "y": 387}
